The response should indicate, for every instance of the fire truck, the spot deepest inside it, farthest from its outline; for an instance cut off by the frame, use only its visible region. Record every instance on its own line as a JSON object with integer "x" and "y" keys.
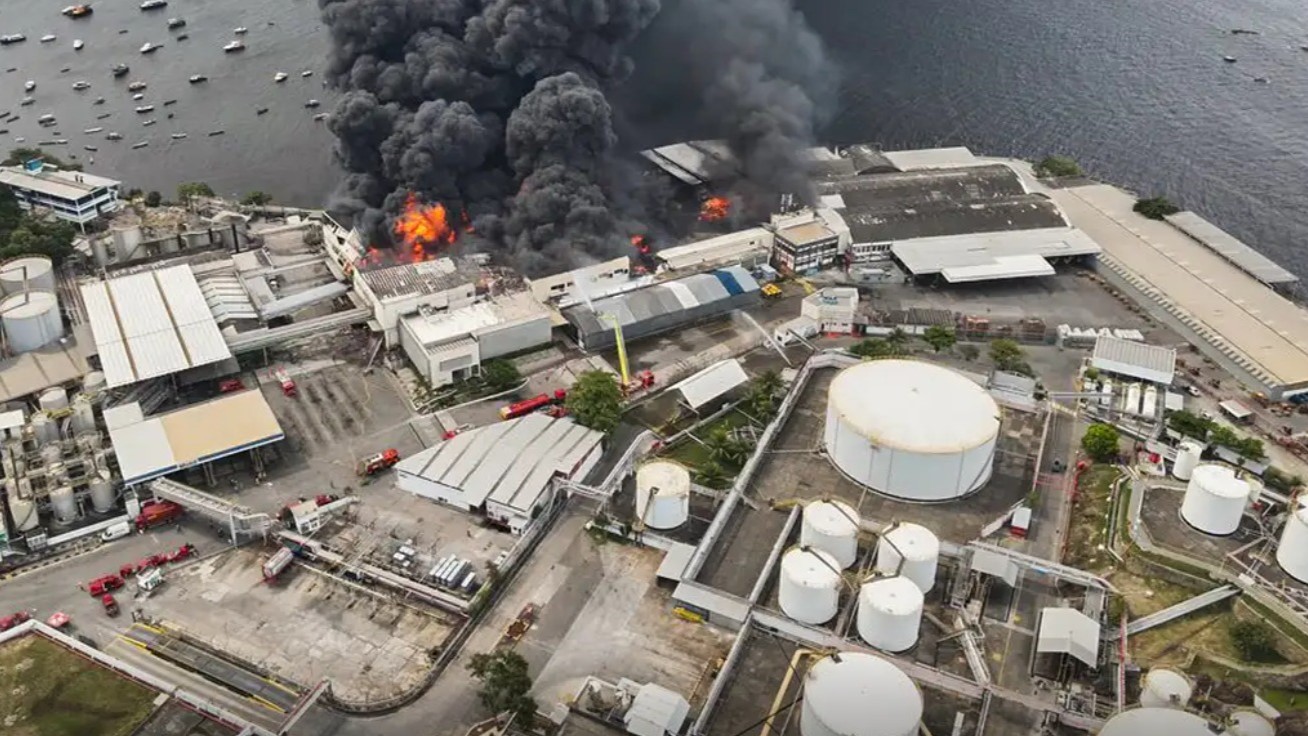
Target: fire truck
{"x": 374, "y": 464}
{"x": 288, "y": 385}
{"x": 523, "y": 408}
{"x": 154, "y": 513}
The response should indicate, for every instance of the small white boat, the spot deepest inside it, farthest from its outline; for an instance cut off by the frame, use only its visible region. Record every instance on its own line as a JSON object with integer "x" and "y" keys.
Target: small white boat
{"x": 138, "y": 96}
{"x": 306, "y": 73}
{"x": 142, "y": 144}
{"x": 320, "y": 116}
{"x": 154, "y": 4}
{"x": 280, "y": 77}
{"x": 89, "y": 131}
{"x": 29, "y": 85}
{"x": 77, "y": 44}
{"x": 241, "y": 31}
{"x": 19, "y": 139}
{"x": 312, "y": 103}
{"x": 233, "y": 47}
{"x": 1229, "y": 59}
{"x": 177, "y": 136}
{"x": 81, "y": 84}
{"x": 148, "y": 123}
{"x": 47, "y": 38}
{"x": 136, "y": 86}
{"x": 143, "y": 109}
{"x": 26, "y": 101}
{"x": 148, "y": 48}
{"x": 114, "y": 136}
{"x": 176, "y": 22}
{"x": 197, "y": 79}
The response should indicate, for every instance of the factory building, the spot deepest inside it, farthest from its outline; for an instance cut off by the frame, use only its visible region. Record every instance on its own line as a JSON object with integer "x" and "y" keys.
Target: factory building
{"x": 503, "y": 470}
{"x": 991, "y": 256}
{"x": 809, "y": 241}
{"x": 833, "y": 309}
{"x": 448, "y": 346}
{"x": 662, "y": 307}
{"x": 441, "y": 285}
{"x": 590, "y": 282}
{"x": 1129, "y": 359}
{"x": 743, "y": 246}
{"x": 74, "y": 196}
{"x": 911, "y": 430}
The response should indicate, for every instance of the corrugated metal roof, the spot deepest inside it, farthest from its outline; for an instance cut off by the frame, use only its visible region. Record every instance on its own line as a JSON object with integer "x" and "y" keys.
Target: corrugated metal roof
{"x": 1135, "y": 359}
{"x": 662, "y": 301}
{"x": 1232, "y": 249}
{"x": 1068, "y": 631}
{"x": 1003, "y": 267}
{"x": 931, "y": 255}
{"x": 712, "y": 382}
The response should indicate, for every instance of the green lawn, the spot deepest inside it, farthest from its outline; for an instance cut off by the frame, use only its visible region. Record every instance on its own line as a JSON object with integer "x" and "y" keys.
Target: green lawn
{"x": 48, "y": 691}
{"x": 692, "y": 454}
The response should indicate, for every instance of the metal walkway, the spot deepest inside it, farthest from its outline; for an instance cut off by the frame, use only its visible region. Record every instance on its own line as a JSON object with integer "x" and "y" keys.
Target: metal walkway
{"x": 260, "y": 339}
{"x": 1203, "y": 600}
{"x": 240, "y": 520}
{"x": 167, "y": 645}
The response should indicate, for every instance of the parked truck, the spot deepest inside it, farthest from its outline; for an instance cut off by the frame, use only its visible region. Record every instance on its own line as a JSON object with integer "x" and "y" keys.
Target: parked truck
{"x": 154, "y": 513}
{"x": 276, "y": 564}
{"x": 523, "y": 408}
{"x": 374, "y": 464}
{"x": 288, "y": 385}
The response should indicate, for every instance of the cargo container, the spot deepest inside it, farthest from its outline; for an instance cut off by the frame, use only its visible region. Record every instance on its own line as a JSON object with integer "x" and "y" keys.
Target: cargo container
{"x": 436, "y": 569}
{"x": 277, "y": 563}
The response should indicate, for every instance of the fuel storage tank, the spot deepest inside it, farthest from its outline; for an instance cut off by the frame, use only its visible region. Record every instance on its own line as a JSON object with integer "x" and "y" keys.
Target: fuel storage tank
{"x": 102, "y": 493}
{"x": 831, "y": 526}
{"x": 1158, "y": 722}
{"x": 662, "y": 494}
{"x": 1292, "y": 551}
{"x": 1187, "y": 459}
{"x": 857, "y": 694}
{"x": 1246, "y": 722}
{"x": 1214, "y": 500}
{"x": 1164, "y": 688}
{"x": 890, "y": 613}
{"x": 27, "y": 273}
{"x": 31, "y": 320}
{"x": 810, "y": 586}
{"x": 916, "y": 546}
{"x": 63, "y": 504}
{"x": 911, "y": 430}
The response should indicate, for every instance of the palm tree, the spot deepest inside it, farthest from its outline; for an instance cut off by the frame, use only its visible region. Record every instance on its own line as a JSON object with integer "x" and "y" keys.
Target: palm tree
{"x": 710, "y": 474}
{"x": 719, "y": 444}
{"x": 768, "y": 382}
{"x": 896, "y": 340}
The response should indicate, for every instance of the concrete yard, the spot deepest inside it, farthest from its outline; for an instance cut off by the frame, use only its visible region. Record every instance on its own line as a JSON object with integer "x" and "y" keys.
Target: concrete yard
{"x": 304, "y": 629}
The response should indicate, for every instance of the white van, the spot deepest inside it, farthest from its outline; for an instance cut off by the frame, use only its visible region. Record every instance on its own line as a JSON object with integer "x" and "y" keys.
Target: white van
{"x": 117, "y": 531}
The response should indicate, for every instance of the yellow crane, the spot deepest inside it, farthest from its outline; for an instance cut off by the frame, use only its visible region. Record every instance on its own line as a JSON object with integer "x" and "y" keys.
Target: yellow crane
{"x": 622, "y": 348}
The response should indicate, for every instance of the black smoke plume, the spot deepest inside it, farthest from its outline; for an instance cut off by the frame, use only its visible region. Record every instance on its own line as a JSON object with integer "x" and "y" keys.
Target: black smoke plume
{"x": 503, "y": 110}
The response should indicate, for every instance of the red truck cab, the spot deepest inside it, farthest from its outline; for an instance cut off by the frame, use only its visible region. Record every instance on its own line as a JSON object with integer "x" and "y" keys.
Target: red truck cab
{"x": 230, "y": 385}
{"x": 154, "y": 513}
{"x": 110, "y": 604}
{"x": 376, "y": 463}
{"x": 104, "y": 584}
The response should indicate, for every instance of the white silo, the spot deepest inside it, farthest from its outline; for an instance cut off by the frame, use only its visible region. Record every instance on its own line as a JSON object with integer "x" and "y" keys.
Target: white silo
{"x": 1149, "y": 403}
{"x": 83, "y": 414}
{"x": 44, "y": 428}
{"x": 63, "y": 504}
{"x": 94, "y": 383}
{"x": 102, "y": 493}
{"x": 916, "y": 546}
{"x": 1256, "y": 487}
{"x": 911, "y": 430}
{"x": 1157, "y": 722}
{"x": 1164, "y": 688}
{"x": 890, "y": 613}
{"x": 27, "y": 273}
{"x": 127, "y": 238}
{"x": 1106, "y": 393}
{"x": 831, "y": 526}
{"x": 24, "y": 512}
{"x": 1187, "y": 459}
{"x": 1214, "y": 500}
{"x": 857, "y": 694}
{"x": 53, "y": 399}
{"x": 662, "y": 494}
{"x": 31, "y": 320}
{"x": 1132, "y": 405}
{"x": 1292, "y": 551}
{"x": 810, "y": 586}
{"x": 1246, "y": 722}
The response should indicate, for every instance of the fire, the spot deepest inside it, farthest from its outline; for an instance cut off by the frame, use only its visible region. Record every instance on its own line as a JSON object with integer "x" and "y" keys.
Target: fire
{"x": 714, "y": 209}
{"x": 423, "y": 229}
{"x": 640, "y": 243}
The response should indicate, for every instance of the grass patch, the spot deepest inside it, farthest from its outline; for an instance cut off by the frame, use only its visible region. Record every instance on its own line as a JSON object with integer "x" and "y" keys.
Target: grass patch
{"x": 48, "y": 691}
{"x": 1088, "y": 538}
{"x": 1286, "y": 701}
{"x": 692, "y": 454}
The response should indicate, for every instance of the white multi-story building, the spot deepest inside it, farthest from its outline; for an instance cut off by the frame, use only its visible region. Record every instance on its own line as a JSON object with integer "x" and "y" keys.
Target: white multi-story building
{"x": 832, "y": 308}
{"x": 74, "y": 196}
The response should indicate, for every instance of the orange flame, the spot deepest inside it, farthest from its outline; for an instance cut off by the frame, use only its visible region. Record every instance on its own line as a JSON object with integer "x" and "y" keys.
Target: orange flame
{"x": 423, "y": 229}
{"x": 714, "y": 209}
{"x": 641, "y": 243}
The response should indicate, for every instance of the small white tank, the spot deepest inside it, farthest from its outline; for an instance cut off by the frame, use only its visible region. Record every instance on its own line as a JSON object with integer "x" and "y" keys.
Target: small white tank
{"x": 24, "y": 512}
{"x": 1187, "y": 459}
{"x": 31, "y": 273}
{"x": 1164, "y": 688}
{"x": 890, "y": 613}
{"x": 64, "y": 505}
{"x": 857, "y": 694}
{"x": 1214, "y": 500}
{"x": 44, "y": 428}
{"x": 1256, "y": 487}
{"x": 1246, "y": 722}
{"x": 831, "y": 526}
{"x": 1157, "y": 722}
{"x": 662, "y": 494}
{"x": 919, "y": 549}
{"x": 53, "y": 399}
{"x": 810, "y": 586}
{"x": 83, "y": 419}
{"x": 1292, "y": 551}
{"x": 102, "y": 493}
{"x": 94, "y": 383}
{"x": 1106, "y": 393}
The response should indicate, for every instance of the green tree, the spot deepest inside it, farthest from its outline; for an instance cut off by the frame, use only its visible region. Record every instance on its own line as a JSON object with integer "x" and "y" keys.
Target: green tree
{"x": 724, "y": 448}
{"x": 969, "y": 352}
{"x": 1156, "y": 208}
{"x": 871, "y": 348}
{"x": 505, "y": 684}
{"x": 939, "y": 337}
{"x": 761, "y": 402}
{"x": 21, "y": 155}
{"x": 1092, "y": 374}
{"x": 256, "y": 198}
{"x": 1100, "y": 442}
{"x": 1189, "y": 424}
{"x": 1254, "y": 640}
{"x": 1006, "y": 353}
{"x": 500, "y": 374}
{"x": 1057, "y": 166}
{"x": 193, "y": 189}
{"x": 711, "y": 475}
{"x": 595, "y": 401}
{"x": 153, "y": 199}
{"x": 896, "y": 340}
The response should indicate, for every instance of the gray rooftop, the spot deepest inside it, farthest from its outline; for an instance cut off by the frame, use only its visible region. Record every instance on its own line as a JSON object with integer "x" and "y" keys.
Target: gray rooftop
{"x": 926, "y": 256}
{"x": 1135, "y": 359}
{"x": 1227, "y": 246}
{"x": 427, "y": 277}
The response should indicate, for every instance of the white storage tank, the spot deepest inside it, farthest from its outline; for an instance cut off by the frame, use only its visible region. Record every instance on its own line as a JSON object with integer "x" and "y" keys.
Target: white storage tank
{"x": 83, "y": 418}
{"x": 53, "y": 399}
{"x": 911, "y": 430}
{"x": 663, "y": 494}
{"x": 831, "y": 526}
{"x": 64, "y": 505}
{"x": 127, "y": 238}
{"x": 890, "y": 613}
{"x": 1292, "y": 551}
{"x": 27, "y": 273}
{"x": 1106, "y": 393}
{"x": 916, "y": 546}
{"x": 1157, "y": 722}
{"x": 1149, "y": 405}
{"x": 44, "y": 428}
{"x": 31, "y": 320}
{"x": 1188, "y": 455}
{"x": 857, "y": 694}
{"x": 1132, "y": 399}
{"x": 102, "y": 493}
{"x": 810, "y": 586}
{"x": 1164, "y": 688}
{"x": 24, "y": 512}
{"x": 94, "y": 383}
{"x": 1214, "y": 500}
{"x": 1246, "y": 722}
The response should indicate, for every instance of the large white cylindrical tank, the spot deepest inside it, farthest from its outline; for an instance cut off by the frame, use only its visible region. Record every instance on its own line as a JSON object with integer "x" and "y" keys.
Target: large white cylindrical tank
{"x": 64, "y": 505}
{"x": 1187, "y": 459}
{"x": 83, "y": 414}
{"x": 1132, "y": 399}
{"x": 24, "y": 512}
{"x": 27, "y": 273}
{"x": 832, "y": 527}
{"x": 810, "y": 586}
{"x": 44, "y": 429}
{"x": 857, "y": 694}
{"x": 911, "y": 430}
{"x": 31, "y": 320}
{"x": 53, "y": 399}
{"x": 127, "y": 238}
{"x": 1214, "y": 500}
{"x": 890, "y": 613}
{"x": 1157, "y": 722}
{"x": 1164, "y": 688}
{"x": 1292, "y": 551}
{"x": 1149, "y": 404}
{"x": 662, "y": 494}
{"x": 102, "y": 493}
{"x": 916, "y": 546}
{"x": 1246, "y": 722}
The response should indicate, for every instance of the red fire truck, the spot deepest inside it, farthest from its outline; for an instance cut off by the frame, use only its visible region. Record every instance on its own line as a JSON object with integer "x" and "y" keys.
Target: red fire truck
{"x": 523, "y": 408}
{"x": 154, "y": 513}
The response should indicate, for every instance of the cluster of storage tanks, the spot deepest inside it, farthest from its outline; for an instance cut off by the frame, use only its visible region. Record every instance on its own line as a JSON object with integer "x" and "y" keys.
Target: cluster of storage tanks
{"x": 914, "y": 431}
{"x": 29, "y": 309}
{"x": 1164, "y": 696}
{"x": 890, "y": 600}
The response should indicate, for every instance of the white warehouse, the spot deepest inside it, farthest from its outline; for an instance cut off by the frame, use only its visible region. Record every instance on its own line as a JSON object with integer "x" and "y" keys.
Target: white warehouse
{"x": 447, "y": 346}
{"x": 911, "y": 430}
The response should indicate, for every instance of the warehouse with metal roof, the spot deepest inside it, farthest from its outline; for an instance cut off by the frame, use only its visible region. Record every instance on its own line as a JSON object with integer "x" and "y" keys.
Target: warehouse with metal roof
{"x": 504, "y": 470}
{"x": 662, "y": 307}
{"x": 1229, "y": 247}
{"x": 1133, "y": 359}
{"x": 991, "y": 256}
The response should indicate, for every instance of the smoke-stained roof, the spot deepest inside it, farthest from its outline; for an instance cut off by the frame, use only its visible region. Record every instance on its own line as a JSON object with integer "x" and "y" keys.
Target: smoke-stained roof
{"x": 426, "y": 277}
